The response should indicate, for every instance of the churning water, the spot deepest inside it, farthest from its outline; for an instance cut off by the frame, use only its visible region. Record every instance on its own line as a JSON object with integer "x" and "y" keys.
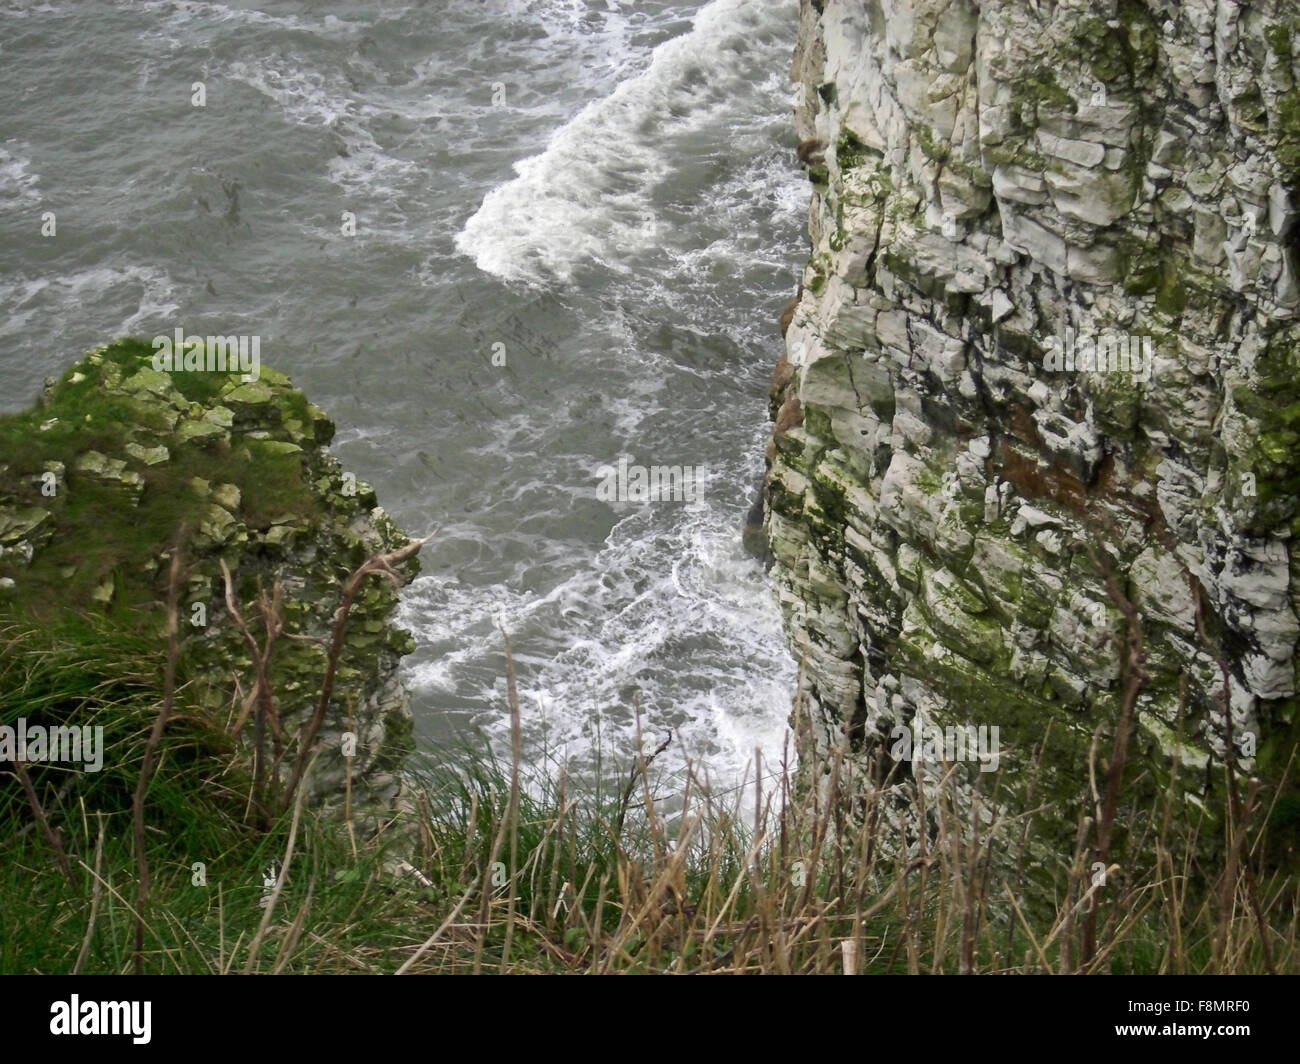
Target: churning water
{"x": 599, "y": 193}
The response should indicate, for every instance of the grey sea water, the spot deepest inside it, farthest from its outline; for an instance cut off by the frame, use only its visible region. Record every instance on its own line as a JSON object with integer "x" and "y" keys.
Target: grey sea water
{"x": 600, "y": 192}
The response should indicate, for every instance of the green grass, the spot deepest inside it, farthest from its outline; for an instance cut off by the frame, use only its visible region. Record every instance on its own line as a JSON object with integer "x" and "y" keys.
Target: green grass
{"x": 499, "y": 867}
{"x": 564, "y": 878}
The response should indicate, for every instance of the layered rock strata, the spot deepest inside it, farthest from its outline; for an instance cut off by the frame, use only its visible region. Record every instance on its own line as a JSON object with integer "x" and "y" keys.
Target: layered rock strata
{"x": 1047, "y": 331}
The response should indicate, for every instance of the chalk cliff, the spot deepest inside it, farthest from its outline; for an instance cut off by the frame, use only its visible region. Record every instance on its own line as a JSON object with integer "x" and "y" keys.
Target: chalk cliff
{"x": 1047, "y": 331}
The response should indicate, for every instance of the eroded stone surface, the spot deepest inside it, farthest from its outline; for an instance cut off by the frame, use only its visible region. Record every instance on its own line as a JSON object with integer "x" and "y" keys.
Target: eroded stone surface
{"x": 245, "y": 474}
{"x": 1001, "y": 171}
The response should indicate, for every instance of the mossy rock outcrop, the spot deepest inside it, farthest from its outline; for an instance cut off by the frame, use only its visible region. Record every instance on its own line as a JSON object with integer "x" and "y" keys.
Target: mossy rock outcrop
{"x": 118, "y": 466}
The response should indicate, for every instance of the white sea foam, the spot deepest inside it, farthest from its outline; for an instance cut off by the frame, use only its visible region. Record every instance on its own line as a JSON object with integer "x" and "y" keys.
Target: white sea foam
{"x": 82, "y": 293}
{"x": 672, "y": 178}
{"x": 669, "y": 607}
{"x": 624, "y": 621}
{"x": 18, "y": 182}
{"x": 184, "y": 14}
{"x": 589, "y": 197}
{"x": 311, "y": 97}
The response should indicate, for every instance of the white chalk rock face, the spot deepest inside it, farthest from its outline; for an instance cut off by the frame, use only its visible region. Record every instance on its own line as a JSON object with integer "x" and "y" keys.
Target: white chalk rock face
{"x": 1048, "y": 362}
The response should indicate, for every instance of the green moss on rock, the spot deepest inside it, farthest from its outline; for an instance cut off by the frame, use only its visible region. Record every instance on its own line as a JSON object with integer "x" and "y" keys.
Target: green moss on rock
{"x": 118, "y": 463}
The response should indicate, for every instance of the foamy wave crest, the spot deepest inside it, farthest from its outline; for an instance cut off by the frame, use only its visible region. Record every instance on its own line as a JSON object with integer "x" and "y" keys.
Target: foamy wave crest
{"x": 589, "y": 197}
{"x": 17, "y": 182}
{"x": 79, "y": 293}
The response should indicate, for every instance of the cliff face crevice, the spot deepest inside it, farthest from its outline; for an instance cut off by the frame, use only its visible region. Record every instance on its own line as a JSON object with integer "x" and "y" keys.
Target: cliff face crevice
{"x": 1048, "y": 330}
